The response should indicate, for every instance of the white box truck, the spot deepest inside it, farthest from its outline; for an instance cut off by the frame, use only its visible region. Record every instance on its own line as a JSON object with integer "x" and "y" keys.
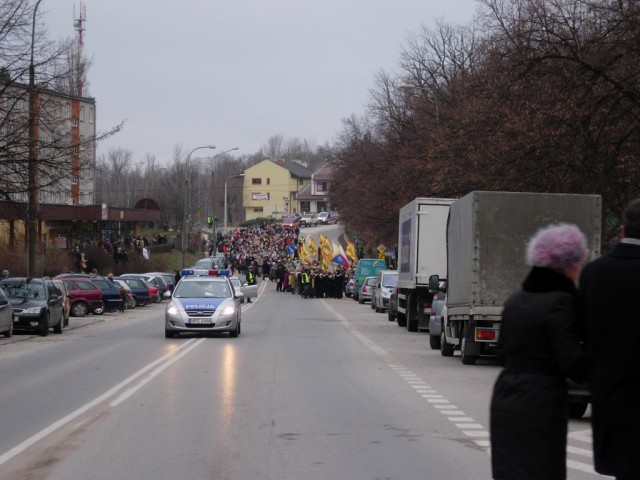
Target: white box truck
{"x": 422, "y": 252}
{"x": 487, "y": 236}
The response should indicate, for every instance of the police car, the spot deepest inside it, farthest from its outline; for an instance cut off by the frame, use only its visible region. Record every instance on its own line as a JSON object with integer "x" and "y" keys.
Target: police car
{"x": 203, "y": 301}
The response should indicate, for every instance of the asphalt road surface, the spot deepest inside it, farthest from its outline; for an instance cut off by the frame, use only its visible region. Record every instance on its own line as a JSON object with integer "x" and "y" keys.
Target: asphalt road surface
{"x": 312, "y": 389}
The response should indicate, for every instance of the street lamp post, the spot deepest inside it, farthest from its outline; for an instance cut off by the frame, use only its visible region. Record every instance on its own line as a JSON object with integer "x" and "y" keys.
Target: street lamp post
{"x": 32, "y": 206}
{"x": 186, "y": 197}
{"x": 225, "y": 199}
{"x": 213, "y": 198}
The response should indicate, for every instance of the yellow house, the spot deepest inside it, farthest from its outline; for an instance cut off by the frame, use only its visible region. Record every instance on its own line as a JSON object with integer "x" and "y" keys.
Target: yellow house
{"x": 270, "y": 188}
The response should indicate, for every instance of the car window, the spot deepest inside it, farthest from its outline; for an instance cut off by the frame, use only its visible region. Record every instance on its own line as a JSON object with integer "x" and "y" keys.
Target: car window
{"x": 203, "y": 289}
{"x": 85, "y": 285}
{"x": 135, "y": 283}
{"x": 204, "y": 263}
{"x": 102, "y": 284}
{"x": 389, "y": 280}
{"x": 24, "y": 290}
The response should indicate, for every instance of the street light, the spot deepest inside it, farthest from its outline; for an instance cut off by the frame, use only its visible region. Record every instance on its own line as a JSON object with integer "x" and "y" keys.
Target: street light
{"x": 413, "y": 86}
{"x": 213, "y": 198}
{"x": 32, "y": 181}
{"x": 187, "y": 190}
{"x": 225, "y": 199}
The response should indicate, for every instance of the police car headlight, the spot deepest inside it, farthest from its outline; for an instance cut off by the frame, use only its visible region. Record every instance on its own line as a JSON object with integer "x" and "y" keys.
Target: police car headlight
{"x": 172, "y": 310}
{"x": 229, "y": 310}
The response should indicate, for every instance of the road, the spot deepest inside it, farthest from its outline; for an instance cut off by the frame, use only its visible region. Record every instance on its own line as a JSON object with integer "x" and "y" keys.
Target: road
{"x": 312, "y": 389}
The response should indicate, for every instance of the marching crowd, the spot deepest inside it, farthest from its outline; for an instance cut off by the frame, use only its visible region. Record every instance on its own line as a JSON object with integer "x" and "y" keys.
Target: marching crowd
{"x": 271, "y": 251}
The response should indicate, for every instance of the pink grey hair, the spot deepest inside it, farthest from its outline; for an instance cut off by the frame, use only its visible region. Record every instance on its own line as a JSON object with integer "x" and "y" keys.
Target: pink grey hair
{"x": 558, "y": 247}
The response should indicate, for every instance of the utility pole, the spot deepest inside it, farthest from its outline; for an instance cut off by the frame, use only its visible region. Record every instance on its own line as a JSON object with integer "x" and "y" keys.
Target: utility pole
{"x": 32, "y": 180}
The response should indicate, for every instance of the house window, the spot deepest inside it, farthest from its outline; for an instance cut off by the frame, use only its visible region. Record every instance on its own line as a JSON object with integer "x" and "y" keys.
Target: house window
{"x": 256, "y": 181}
{"x": 82, "y": 113}
{"x": 92, "y": 115}
{"x": 268, "y": 181}
{"x": 257, "y": 210}
{"x": 74, "y": 122}
{"x": 322, "y": 187}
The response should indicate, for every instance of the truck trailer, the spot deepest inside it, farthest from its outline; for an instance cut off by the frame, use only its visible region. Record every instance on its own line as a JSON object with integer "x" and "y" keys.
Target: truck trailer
{"x": 487, "y": 235}
{"x": 422, "y": 252}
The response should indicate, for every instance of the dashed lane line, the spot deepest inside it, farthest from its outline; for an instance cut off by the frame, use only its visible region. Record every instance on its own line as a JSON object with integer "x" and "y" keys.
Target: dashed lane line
{"x": 467, "y": 425}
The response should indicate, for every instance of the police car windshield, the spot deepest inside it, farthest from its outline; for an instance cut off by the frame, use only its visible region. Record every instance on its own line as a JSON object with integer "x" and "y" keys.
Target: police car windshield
{"x": 202, "y": 289}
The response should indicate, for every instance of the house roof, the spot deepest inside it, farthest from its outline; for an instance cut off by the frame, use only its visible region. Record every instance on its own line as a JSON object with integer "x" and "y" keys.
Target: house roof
{"x": 324, "y": 173}
{"x": 296, "y": 169}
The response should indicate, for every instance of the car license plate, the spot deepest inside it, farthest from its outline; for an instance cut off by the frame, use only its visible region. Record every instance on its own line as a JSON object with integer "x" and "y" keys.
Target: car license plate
{"x": 200, "y": 320}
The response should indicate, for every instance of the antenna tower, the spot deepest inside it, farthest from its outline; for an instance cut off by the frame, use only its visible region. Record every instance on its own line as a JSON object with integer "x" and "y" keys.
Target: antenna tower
{"x": 78, "y": 25}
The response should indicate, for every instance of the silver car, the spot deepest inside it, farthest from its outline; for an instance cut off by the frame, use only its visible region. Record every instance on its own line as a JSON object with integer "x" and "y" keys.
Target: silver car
{"x": 436, "y": 319}
{"x": 6, "y": 315}
{"x": 367, "y": 289}
{"x": 387, "y": 281}
{"x": 205, "y": 304}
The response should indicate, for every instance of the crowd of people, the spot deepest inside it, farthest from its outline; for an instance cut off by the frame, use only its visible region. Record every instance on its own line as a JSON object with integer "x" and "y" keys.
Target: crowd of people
{"x": 270, "y": 251}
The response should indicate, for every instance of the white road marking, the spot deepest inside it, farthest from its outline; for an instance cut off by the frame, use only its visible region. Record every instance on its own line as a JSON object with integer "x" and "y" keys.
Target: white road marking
{"x": 181, "y": 350}
{"x": 467, "y": 425}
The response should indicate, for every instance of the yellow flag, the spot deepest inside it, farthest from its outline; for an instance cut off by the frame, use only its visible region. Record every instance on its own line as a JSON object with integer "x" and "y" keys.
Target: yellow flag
{"x": 312, "y": 248}
{"x": 351, "y": 252}
{"x": 303, "y": 254}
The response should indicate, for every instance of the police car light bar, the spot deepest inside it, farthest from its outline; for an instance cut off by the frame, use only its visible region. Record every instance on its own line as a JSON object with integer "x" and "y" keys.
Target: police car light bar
{"x": 204, "y": 272}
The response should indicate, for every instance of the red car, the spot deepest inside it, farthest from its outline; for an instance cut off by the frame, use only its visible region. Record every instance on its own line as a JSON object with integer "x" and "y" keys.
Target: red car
{"x": 291, "y": 222}
{"x": 84, "y": 296}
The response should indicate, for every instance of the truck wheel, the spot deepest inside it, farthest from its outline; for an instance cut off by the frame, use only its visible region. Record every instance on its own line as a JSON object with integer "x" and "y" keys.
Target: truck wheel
{"x": 434, "y": 342}
{"x": 465, "y": 357}
{"x": 446, "y": 349}
{"x": 577, "y": 409}
{"x": 402, "y": 319}
{"x": 391, "y": 317}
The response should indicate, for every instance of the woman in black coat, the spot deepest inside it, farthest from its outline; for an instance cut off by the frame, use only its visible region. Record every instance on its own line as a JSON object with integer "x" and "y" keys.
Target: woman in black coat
{"x": 539, "y": 346}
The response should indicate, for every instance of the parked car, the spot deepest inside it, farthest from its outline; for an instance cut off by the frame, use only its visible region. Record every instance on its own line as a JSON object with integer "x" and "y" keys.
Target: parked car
{"x": 159, "y": 286}
{"x": 139, "y": 288}
{"x": 170, "y": 279}
{"x": 323, "y": 217}
{"x": 348, "y": 289}
{"x": 84, "y": 295}
{"x": 436, "y": 318}
{"x": 308, "y": 220}
{"x": 66, "y": 301}
{"x": 37, "y": 304}
{"x": 333, "y": 217}
{"x": 6, "y": 315}
{"x": 209, "y": 263}
{"x": 291, "y": 221}
{"x": 392, "y": 313}
{"x": 249, "y": 291}
{"x": 366, "y": 267}
{"x": 367, "y": 289}
{"x": 110, "y": 292}
{"x": 386, "y": 282}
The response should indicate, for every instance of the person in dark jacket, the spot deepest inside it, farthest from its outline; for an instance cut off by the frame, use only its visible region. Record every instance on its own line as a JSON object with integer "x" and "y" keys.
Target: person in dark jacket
{"x": 610, "y": 306}
{"x": 539, "y": 346}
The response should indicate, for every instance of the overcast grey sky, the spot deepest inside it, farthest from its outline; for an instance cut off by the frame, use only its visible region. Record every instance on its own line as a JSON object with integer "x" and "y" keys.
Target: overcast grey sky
{"x": 234, "y": 73}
